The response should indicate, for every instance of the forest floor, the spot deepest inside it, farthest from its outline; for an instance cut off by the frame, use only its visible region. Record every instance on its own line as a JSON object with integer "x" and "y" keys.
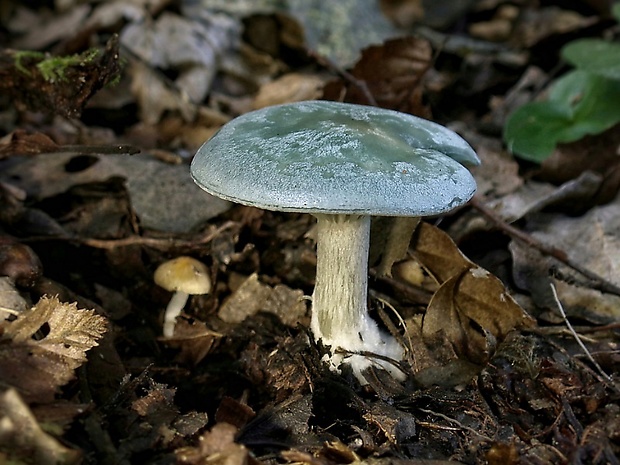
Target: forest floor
{"x": 104, "y": 104}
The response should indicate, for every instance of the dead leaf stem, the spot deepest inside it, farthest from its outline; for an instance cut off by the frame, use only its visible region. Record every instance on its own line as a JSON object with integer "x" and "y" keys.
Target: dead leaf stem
{"x": 597, "y": 281}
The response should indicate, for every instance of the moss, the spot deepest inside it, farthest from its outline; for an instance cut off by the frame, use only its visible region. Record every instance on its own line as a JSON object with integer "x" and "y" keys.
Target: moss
{"x": 54, "y": 69}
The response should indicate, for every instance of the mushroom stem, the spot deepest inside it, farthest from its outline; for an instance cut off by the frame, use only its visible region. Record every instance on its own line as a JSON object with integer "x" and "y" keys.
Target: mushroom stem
{"x": 340, "y": 316}
{"x": 173, "y": 310}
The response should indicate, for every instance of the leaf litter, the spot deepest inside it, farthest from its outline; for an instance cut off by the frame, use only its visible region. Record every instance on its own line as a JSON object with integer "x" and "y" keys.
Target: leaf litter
{"x": 501, "y": 369}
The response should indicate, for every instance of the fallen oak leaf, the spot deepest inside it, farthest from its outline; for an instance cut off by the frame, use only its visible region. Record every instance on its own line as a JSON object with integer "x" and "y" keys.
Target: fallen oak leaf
{"x": 442, "y": 315}
{"x": 40, "y": 350}
{"x": 438, "y": 253}
{"x": 472, "y": 307}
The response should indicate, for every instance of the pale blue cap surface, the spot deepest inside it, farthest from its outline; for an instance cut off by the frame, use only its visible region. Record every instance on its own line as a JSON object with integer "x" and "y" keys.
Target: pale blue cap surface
{"x": 330, "y": 157}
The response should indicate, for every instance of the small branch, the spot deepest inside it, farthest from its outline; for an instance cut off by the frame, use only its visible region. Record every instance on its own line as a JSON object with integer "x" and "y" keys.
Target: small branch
{"x": 153, "y": 242}
{"x": 330, "y": 64}
{"x": 458, "y": 423}
{"x": 598, "y": 282}
{"x": 156, "y": 243}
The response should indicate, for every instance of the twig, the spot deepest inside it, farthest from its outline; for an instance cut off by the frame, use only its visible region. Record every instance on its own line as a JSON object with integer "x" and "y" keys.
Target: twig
{"x": 153, "y": 242}
{"x": 330, "y": 64}
{"x": 156, "y": 243}
{"x": 456, "y": 422}
{"x": 576, "y": 336}
{"x": 416, "y": 294}
{"x": 598, "y": 282}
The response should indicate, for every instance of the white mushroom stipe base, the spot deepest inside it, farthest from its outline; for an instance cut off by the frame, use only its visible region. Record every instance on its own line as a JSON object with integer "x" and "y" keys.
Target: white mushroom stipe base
{"x": 342, "y": 163}
{"x": 340, "y": 296}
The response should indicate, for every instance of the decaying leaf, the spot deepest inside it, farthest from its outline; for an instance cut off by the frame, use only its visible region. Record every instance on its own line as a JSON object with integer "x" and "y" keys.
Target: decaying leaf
{"x": 191, "y": 48}
{"x": 62, "y": 85}
{"x": 292, "y": 87}
{"x": 159, "y": 419}
{"x": 194, "y": 339}
{"x": 404, "y": 13}
{"x": 40, "y": 350}
{"x": 23, "y": 441}
{"x": 471, "y": 308}
{"x": 253, "y": 296}
{"x": 22, "y": 142}
{"x": 217, "y": 447}
{"x": 592, "y": 240}
{"x": 394, "y": 73}
{"x": 438, "y": 253}
{"x": 161, "y": 194}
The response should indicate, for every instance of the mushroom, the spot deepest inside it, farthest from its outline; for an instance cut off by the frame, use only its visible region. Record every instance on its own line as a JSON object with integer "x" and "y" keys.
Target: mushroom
{"x": 342, "y": 163}
{"x": 183, "y": 276}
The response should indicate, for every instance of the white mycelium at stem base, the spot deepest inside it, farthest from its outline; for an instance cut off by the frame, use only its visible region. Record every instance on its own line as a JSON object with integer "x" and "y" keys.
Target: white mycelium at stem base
{"x": 339, "y": 302}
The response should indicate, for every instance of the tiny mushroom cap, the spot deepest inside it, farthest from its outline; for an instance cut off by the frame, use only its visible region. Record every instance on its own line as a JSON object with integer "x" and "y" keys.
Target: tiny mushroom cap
{"x": 342, "y": 163}
{"x": 184, "y": 276}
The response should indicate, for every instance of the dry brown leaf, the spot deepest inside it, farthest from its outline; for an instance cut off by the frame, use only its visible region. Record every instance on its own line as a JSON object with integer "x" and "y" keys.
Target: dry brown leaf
{"x": 292, "y": 87}
{"x": 472, "y": 308}
{"x": 438, "y": 253}
{"x": 155, "y": 97}
{"x": 23, "y": 441}
{"x": 216, "y": 447}
{"x": 443, "y": 315}
{"x": 253, "y": 296}
{"x": 497, "y": 28}
{"x": 477, "y": 297}
{"x": 40, "y": 350}
{"x": 394, "y": 73}
{"x": 194, "y": 339}
{"x": 20, "y": 142}
{"x": 597, "y": 153}
{"x": 403, "y": 13}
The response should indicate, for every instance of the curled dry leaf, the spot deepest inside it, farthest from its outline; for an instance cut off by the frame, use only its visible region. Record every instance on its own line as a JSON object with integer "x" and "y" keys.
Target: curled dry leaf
{"x": 471, "y": 307}
{"x": 41, "y": 348}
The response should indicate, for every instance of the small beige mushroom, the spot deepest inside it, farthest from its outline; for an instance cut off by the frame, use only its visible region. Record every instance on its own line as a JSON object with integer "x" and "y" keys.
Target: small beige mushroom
{"x": 183, "y": 276}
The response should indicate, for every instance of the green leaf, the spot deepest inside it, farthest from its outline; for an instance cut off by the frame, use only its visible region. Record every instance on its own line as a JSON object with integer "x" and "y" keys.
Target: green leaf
{"x": 595, "y": 56}
{"x": 529, "y": 130}
{"x": 580, "y": 103}
{"x": 615, "y": 11}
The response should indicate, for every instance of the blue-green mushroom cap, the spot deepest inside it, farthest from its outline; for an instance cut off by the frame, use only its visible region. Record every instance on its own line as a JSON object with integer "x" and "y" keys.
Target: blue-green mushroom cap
{"x": 339, "y": 158}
